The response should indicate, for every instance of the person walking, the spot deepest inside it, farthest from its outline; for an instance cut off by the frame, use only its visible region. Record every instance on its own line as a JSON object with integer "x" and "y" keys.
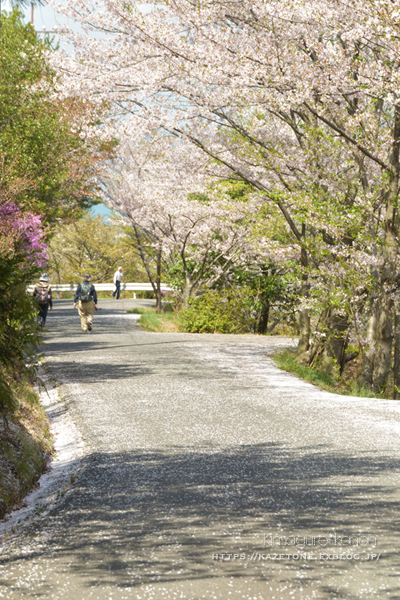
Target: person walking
{"x": 42, "y": 293}
{"x": 118, "y": 275}
{"x": 86, "y": 298}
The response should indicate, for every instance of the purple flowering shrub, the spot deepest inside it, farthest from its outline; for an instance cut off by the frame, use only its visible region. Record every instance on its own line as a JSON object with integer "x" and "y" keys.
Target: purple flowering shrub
{"x": 22, "y": 234}
{"x": 22, "y": 254}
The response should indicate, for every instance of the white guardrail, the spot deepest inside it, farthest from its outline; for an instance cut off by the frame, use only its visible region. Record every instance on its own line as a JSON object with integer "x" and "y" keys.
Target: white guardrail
{"x": 106, "y": 287}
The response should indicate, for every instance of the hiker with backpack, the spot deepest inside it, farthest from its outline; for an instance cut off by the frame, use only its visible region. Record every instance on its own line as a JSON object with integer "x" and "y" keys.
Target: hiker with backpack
{"x": 86, "y": 298}
{"x": 42, "y": 293}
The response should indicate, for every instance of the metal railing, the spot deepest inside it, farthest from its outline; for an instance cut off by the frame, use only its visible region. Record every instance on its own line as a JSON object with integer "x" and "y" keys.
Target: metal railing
{"x": 105, "y": 287}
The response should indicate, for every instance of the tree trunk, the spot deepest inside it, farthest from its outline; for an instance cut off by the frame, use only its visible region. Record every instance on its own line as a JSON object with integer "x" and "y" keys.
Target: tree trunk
{"x": 317, "y": 347}
{"x": 335, "y": 345}
{"x": 155, "y": 283}
{"x": 187, "y": 291}
{"x": 262, "y": 325}
{"x": 304, "y": 333}
{"x": 376, "y": 361}
{"x": 383, "y": 344}
{"x": 158, "y": 282}
{"x": 375, "y": 365}
{"x": 330, "y": 343}
{"x": 384, "y": 328}
{"x": 304, "y": 318}
{"x": 365, "y": 378}
{"x": 396, "y": 362}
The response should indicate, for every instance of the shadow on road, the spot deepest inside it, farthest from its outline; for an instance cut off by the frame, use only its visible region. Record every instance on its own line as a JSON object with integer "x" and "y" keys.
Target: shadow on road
{"x": 136, "y": 518}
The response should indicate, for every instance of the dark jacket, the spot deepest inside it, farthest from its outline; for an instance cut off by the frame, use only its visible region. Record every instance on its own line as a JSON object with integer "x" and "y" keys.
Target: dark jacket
{"x": 93, "y": 294}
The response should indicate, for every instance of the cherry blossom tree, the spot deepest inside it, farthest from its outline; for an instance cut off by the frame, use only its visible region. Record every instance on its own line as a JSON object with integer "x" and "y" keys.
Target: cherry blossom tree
{"x": 165, "y": 194}
{"x": 300, "y": 100}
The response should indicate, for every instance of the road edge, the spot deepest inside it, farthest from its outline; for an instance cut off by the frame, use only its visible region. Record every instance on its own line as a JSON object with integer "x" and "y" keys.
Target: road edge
{"x": 69, "y": 449}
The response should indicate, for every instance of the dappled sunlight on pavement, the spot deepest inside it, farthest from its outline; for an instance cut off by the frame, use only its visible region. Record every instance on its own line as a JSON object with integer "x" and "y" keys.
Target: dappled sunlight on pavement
{"x": 209, "y": 474}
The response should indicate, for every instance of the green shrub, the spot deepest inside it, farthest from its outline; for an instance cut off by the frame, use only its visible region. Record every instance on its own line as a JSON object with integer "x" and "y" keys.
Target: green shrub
{"x": 226, "y": 311}
{"x": 19, "y": 332}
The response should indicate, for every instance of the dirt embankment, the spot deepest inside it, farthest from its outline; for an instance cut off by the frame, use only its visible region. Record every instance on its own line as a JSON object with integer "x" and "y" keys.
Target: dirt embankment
{"x": 25, "y": 450}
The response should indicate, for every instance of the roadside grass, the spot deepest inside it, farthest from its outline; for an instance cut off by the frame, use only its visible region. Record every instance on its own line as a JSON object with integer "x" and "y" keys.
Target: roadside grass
{"x": 140, "y": 311}
{"x": 346, "y": 385}
{"x": 25, "y": 448}
{"x": 169, "y": 321}
{"x": 286, "y": 360}
{"x": 165, "y": 322}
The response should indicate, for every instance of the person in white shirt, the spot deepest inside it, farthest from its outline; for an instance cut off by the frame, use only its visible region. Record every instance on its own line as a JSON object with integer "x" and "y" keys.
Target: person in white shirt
{"x": 118, "y": 275}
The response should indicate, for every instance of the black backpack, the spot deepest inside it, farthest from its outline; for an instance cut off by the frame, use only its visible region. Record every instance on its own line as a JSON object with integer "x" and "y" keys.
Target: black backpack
{"x": 85, "y": 295}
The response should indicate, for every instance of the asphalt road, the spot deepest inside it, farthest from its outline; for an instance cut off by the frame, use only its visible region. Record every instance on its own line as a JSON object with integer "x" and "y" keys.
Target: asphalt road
{"x": 209, "y": 474}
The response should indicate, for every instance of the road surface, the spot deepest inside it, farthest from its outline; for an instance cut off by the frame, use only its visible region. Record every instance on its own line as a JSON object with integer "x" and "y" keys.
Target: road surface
{"x": 209, "y": 474}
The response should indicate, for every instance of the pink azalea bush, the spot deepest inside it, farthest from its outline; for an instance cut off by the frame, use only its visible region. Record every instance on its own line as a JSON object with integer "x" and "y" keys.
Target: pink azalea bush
{"x": 24, "y": 234}
{"x": 22, "y": 254}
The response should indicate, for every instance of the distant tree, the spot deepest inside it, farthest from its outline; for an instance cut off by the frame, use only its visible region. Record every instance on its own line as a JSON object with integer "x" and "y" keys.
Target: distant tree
{"x": 95, "y": 245}
{"x": 197, "y": 232}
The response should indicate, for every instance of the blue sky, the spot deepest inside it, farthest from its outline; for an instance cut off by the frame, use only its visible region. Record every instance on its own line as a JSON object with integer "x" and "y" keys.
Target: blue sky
{"x": 101, "y": 209}
{"x": 44, "y": 16}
